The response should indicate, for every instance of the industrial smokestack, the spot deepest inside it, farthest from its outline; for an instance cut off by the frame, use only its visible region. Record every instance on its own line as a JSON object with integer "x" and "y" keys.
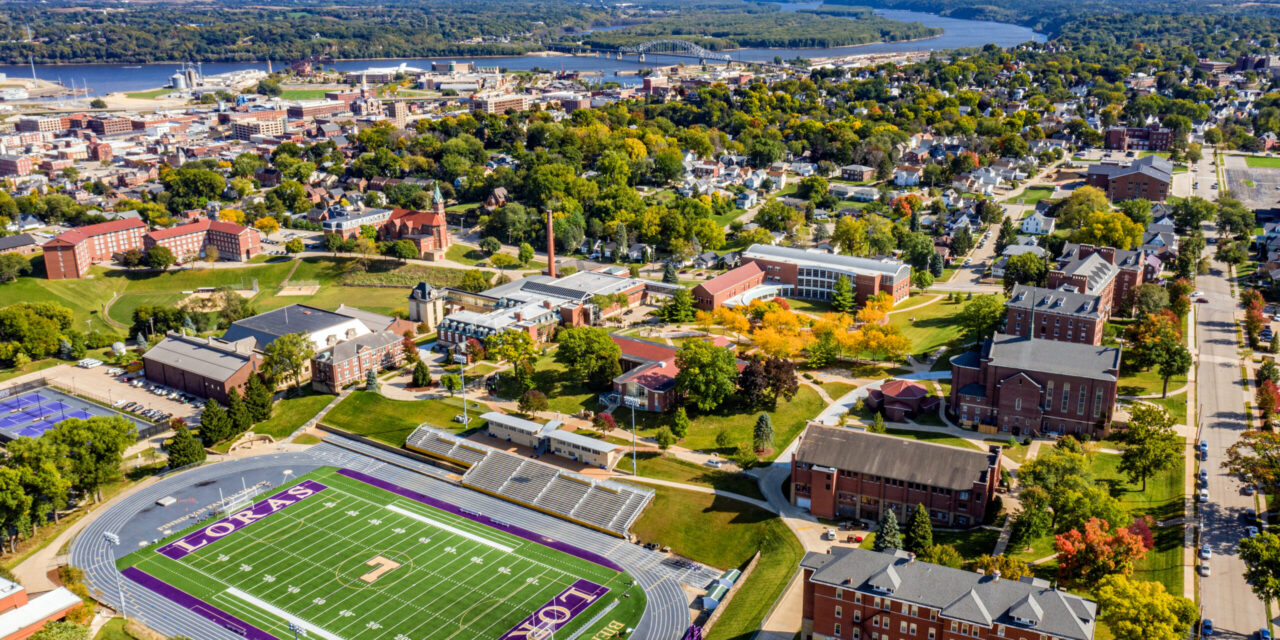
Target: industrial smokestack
{"x": 551, "y": 246}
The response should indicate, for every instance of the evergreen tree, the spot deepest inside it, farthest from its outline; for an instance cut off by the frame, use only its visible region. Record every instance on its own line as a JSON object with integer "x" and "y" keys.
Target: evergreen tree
{"x": 935, "y": 264}
{"x": 842, "y": 295}
{"x": 669, "y": 274}
{"x": 888, "y": 536}
{"x": 914, "y": 224}
{"x": 680, "y": 425}
{"x": 620, "y": 237}
{"x": 259, "y": 399}
{"x": 421, "y": 375}
{"x": 762, "y": 436}
{"x": 919, "y": 531}
{"x": 238, "y": 412}
{"x": 215, "y": 424}
{"x": 371, "y": 381}
{"x": 877, "y": 423}
{"x": 183, "y": 448}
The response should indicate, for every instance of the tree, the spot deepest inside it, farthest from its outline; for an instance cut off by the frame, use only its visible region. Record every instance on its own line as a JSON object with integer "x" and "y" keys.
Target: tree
{"x": 1033, "y": 519}
{"x": 1108, "y": 229}
{"x": 981, "y": 316}
{"x": 13, "y": 265}
{"x": 132, "y": 258}
{"x": 451, "y": 382}
{"x": 680, "y": 423}
{"x": 184, "y": 449}
{"x": 286, "y": 357}
{"x": 267, "y": 225}
{"x": 877, "y": 423}
{"x": 1100, "y": 551}
{"x": 707, "y": 374}
{"x": 1072, "y": 211}
{"x": 943, "y": 555}
{"x": 1025, "y": 268}
{"x": 1150, "y": 443}
{"x": 295, "y": 245}
{"x": 215, "y": 425}
{"x": 762, "y": 434}
{"x": 887, "y": 534}
{"x": 1261, "y": 556}
{"x": 94, "y": 446}
{"x": 1268, "y": 399}
{"x": 1149, "y": 298}
{"x": 922, "y": 280}
{"x": 159, "y": 257}
{"x": 669, "y": 275}
{"x": 532, "y": 402}
{"x": 590, "y": 354}
{"x": 1008, "y": 567}
{"x": 516, "y": 347}
{"x": 842, "y": 295}
{"x": 490, "y": 245}
{"x": 62, "y": 630}
{"x": 1006, "y": 236}
{"x": 526, "y": 253}
{"x": 211, "y": 253}
{"x": 1172, "y": 360}
{"x": 475, "y": 280}
{"x": 371, "y": 383}
{"x": 1143, "y": 610}
{"x": 421, "y": 375}
{"x": 15, "y": 504}
{"x": 258, "y": 398}
{"x": 665, "y": 438}
{"x": 919, "y": 536}
{"x": 679, "y": 308}
{"x": 238, "y": 413}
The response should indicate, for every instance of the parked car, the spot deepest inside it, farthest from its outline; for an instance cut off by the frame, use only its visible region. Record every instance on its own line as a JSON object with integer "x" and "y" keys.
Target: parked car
{"x": 1264, "y": 633}
{"x": 1205, "y": 552}
{"x": 1204, "y": 570}
{"x": 1204, "y": 446}
{"x": 1203, "y": 476}
{"x": 1206, "y": 627}
{"x": 1251, "y": 531}
{"x": 1204, "y": 495}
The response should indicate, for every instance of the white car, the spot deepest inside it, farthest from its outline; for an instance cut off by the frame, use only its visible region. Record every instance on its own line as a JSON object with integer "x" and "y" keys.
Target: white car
{"x": 829, "y": 534}
{"x": 1196, "y": 294}
{"x": 1204, "y": 495}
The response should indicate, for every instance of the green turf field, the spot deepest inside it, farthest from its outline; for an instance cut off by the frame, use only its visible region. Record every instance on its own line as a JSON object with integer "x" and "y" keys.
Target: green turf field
{"x": 356, "y": 562}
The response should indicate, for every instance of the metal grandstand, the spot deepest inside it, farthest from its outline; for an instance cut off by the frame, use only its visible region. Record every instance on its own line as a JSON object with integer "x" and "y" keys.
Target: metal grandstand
{"x": 611, "y": 507}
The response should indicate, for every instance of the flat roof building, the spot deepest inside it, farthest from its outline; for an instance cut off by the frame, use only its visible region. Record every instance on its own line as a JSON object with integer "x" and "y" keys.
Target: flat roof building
{"x": 204, "y": 367}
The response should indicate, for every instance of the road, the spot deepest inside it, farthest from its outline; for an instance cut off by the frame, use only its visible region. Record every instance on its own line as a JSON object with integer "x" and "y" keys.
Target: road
{"x": 1225, "y": 597}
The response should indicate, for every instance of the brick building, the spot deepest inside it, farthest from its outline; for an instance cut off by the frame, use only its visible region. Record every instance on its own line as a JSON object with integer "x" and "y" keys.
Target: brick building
{"x": 501, "y": 103}
{"x": 1150, "y": 138}
{"x": 1105, "y": 272}
{"x": 899, "y": 399}
{"x": 860, "y": 594}
{"x": 350, "y": 361}
{"x": 316, "y": 109}
{"x": 42, "y": 124}
{"x": 425, "y": 229}
{"x": 838, "y": 472}
{"x": 247, "y": 128}
{"x": 22, "y": 616}
{"x": 1147, "y": 178}
{"x": 110, "y": 125}
{"x": 204, "y": 367}
{"x": 188, "y": 241}
{"x": 726, "y": 286}
{"x": 22, "y": 244}
{"x": 802, "y": 273}
{"x": 1032, "y": 386}
{"x": 15, "y": 165}
{"x": 72, "y": 252}
{"x": 1056, "y": 314}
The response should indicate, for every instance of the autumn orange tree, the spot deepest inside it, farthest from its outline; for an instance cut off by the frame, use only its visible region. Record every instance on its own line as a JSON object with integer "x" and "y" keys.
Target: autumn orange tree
{"x": 1099, "y": 551}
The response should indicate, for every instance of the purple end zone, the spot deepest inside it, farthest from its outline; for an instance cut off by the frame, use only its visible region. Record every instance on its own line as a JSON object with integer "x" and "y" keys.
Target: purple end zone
{"x": 482, "y": 519}
{"x": 180, "y": 548}
{"x": 197, "y": 606}
{"x": 553, "y": 615}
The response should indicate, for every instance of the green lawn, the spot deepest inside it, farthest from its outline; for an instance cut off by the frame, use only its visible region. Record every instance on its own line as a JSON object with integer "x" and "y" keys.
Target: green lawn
{"x": 1017, "y": 453}
{"x": 303, "y": 94}
{"x": 148, "y": 95}
{"x": 122, "y": 309}
{"x": 1135, "y": 382}
{"x": 391, "y": 421}
{"x": 564, "y": 393}
{"x": 114, "y": 630}
{"x": 1162, "y": 500}
{"x": 936, "y": 438}
{"x": 685, "y": 520}
{"x": 934, "y": 326}
{"x": 1033, "y": 195}
{"x": 816, "y": 307}
{"x": 788, "y": 421}
{"x": 971, "y": 543}
{"x": 652, "y": 464}
{"x": 39, "y": 365}
{"x": 290, "y": 413}
{"x": 837, "y": 389}
{"x": 462, "y": 254}
{"x": 1262, "y": 162}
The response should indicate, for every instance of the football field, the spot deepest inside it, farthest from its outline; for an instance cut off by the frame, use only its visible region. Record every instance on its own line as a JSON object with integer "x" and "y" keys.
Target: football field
{"x": 342, "y": 559}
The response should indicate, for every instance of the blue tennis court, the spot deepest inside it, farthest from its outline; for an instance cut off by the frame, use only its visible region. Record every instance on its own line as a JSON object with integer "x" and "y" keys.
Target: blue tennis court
{"x": 30, "y": 415}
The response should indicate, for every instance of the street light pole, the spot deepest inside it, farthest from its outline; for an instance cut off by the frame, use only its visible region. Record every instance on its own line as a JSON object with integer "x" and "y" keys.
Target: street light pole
{"x": 113, "y": 541}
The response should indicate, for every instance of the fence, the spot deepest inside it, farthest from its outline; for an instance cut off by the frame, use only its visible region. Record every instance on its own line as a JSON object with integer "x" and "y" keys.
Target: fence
{"x": 147, "y": 430}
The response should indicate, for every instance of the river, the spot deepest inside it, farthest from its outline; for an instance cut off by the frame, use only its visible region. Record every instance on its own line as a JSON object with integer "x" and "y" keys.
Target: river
{"x": 110, "y": 78}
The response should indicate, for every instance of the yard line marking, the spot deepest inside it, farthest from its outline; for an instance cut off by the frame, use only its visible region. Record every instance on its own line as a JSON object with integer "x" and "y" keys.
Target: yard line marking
{"x": 451, "y": 529}
{"x": 272, "y": 609}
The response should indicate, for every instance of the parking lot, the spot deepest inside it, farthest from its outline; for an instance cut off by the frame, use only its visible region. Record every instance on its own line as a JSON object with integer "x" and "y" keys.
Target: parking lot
{"x": 96, "y": 383}
{"x": 1257, "y": 188}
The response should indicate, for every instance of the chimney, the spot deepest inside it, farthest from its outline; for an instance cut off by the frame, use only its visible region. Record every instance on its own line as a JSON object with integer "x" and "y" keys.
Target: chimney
{"x": 551, "y": 247}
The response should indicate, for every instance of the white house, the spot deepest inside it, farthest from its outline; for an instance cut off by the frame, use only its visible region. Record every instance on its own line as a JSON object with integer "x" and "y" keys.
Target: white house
{"x": 907, "y": 175}
{"x": 1037, "y": 224}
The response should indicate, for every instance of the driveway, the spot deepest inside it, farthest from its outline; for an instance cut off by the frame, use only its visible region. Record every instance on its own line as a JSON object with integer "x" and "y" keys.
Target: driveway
{"x": 1224, "y": 595}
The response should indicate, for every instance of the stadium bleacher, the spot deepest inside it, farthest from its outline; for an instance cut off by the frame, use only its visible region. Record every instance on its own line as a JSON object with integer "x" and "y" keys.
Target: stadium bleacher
{"x": 601, "y": 504}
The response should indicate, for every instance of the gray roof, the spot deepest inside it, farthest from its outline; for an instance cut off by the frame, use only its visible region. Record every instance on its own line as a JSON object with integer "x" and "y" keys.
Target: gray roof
{"x": 892, "y": 269}
{"x": 1153, "y": 166}
{"x": 18, "y": 241}
{"x": 375, "y": 321}
{"x": 348, "y": 349}
{"x": 1019, "y": 249}
{"x": 1061, "y": 300}
{"x": 1053, "y": 356}
{"x": 424, "y": 291}
{"x": 1029, "y": 603}
{"x": 513, "y": 422}
{"x": 264, "y": 328}
{"x": 863, "y": 452}
{"x": 207, "y": 357}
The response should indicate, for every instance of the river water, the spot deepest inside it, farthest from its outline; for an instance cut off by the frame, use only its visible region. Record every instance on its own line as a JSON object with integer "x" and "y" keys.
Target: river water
{"x": 109, "y": 78}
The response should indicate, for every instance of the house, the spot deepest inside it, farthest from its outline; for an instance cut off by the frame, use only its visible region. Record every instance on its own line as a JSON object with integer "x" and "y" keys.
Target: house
{"x": 811, "y": 274}
{"x": 1148, "y": 178}
{"x": 1056, "y": 314}
{"x": 746, "y": 200}
{"x": 838, "y": 472}
{"x": 706, "y": 260}
{"x": 24, "y": 222}
{"x": 1038, "y": 224}
{"x": 849, "y": 589}
{"x": 640, "y": 252}
{"x": 998, "y": 268}
{"x": 203, "y": 367}
{"x": 857, "y": 173}
{"x": 908, "y": 175}
{"x": 22, "y": 244}
{"x": 649, "y": 370}
{"x": 899, "y": 399}
{"x": 1024, "y": 385}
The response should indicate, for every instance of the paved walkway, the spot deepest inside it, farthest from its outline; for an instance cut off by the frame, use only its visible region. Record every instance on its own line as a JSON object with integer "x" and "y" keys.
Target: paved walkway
{"x": 700, "y": 489}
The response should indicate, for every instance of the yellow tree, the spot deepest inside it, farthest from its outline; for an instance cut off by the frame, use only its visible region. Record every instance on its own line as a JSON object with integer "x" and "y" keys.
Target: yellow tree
{"x": 704, "y": 320}
{"x": 267, "y": 225}
{"x": 778, "y": 343}
{"x": 231, "y": 215}
{"x": 731, "y": 320}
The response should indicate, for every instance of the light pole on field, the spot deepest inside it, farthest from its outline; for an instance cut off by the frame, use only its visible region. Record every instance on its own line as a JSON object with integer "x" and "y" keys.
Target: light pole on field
{"x": 632, "y": 402}
{"x": 113, "y": 541}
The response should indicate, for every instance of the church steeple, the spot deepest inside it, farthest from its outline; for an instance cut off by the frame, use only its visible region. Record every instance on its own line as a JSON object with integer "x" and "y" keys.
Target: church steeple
{"x": 438, "y": 201}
